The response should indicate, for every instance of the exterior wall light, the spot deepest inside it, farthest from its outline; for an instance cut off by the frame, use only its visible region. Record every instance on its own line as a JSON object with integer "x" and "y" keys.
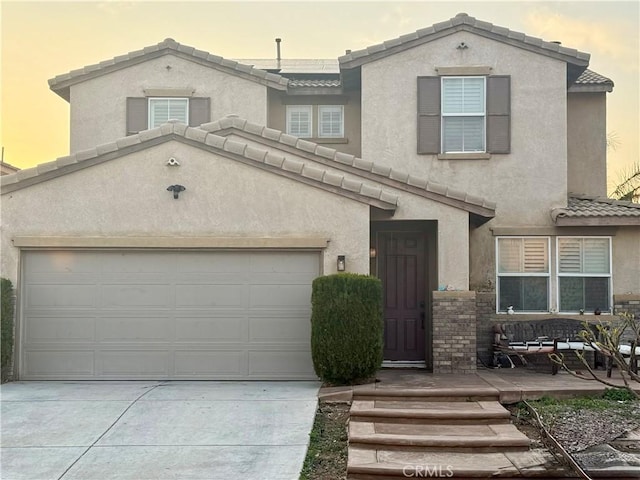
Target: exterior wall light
{"x": 373, "y": 253}
{"x": 342, "y": 263}
{"x": 176, "y": 189}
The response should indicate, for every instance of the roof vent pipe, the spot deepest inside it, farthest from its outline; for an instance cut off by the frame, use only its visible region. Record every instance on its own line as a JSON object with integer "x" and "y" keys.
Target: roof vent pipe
{"x": 278, "y": 57}
{"x": 557, "y": 42}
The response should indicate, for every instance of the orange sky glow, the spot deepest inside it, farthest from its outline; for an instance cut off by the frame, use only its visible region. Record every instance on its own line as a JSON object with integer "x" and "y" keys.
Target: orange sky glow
{"x": 43, "y": 39}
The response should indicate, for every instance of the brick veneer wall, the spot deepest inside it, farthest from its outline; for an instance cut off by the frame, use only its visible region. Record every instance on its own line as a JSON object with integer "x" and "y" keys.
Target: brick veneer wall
{"x": 485, "y": 312}
{"x": 627, "y": 303}
{"x": 454, "y": 332}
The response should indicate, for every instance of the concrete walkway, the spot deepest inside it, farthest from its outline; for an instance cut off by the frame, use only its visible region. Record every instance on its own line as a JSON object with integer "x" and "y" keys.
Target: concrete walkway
{"x": 155, "y": 430}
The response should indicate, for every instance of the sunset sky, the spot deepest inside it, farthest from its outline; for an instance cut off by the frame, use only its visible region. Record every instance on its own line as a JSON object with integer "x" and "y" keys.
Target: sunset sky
{"x": 43, "y": 39}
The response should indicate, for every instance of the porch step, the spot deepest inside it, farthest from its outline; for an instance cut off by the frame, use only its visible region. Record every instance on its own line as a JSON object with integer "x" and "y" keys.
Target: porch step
{"x": 382, "y": 463}
{"x": 443, "y": 394}
{"x": 400, "y": 410}
{"x": 479, "y": 438}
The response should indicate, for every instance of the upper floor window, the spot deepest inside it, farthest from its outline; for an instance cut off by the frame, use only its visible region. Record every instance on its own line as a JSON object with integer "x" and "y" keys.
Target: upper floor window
{"x": 584, "y": 273}
{"x": 330, "y": 121}
{"x": 299, "y": 122}
{"x": 161, "y": 110}
{"x": 463, "y": 114}
{"x": 523, "y": 274}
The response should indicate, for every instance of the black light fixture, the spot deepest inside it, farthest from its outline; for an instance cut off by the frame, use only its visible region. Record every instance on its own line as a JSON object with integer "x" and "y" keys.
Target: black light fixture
{"x": 342, "y": 263}
{"x": 176, "y": 189}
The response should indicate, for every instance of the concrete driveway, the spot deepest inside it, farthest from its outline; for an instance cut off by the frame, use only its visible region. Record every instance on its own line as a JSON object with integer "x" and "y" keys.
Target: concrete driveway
{"x": 155, "y": 430}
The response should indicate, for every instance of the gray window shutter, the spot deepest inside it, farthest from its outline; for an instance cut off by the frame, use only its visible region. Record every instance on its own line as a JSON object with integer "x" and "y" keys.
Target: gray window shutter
{"x": 137, "y": 115}
{"x": 499, "y": 114}
{"x": 199, "y": 111}
{"x": 429, "y": 115}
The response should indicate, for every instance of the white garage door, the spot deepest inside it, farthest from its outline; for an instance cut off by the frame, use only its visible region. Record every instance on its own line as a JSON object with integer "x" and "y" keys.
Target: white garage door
{"x": 166, "y": 315}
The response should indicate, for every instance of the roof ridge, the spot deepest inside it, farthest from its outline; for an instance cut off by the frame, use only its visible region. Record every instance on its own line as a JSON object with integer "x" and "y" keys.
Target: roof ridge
{"x": 465, "y": 22}
{"x": 60, "y": 82}
{"x": 605, "y": 200}
{"x": 307, "y": 172}
{"x": 235, "y": 121}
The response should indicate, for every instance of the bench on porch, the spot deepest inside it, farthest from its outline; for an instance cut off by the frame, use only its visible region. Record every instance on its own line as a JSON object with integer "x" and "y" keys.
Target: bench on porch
{"x": 524, "y": 339}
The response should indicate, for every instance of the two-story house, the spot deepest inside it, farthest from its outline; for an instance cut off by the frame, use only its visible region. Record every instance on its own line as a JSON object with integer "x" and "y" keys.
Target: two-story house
{"x": 464, "y": 164}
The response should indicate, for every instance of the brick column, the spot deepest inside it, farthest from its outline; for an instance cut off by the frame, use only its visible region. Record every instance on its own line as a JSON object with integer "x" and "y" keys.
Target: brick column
{"x": 485, "y": 311}
{"x": 630, "y": 303}
{"x": 454, "y": 332}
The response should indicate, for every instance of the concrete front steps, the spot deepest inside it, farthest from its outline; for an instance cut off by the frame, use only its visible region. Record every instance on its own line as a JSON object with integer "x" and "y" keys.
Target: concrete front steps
{"x": 439, "y": 433}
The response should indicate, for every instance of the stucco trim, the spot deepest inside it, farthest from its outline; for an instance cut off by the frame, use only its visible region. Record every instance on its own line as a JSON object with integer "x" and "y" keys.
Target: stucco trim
{"x": 552, "y": 231}
{"x": 597, "y": 221}
{"x": 462, "y": 70}
{"x": 169, "y": 92}
{"x": 464, "y": 156}
{"x": 314, "y": 243}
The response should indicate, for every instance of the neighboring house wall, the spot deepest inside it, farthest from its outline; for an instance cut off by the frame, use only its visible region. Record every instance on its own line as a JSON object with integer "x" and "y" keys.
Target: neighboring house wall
{"x": 277, "y": 117}
{"x": 223, "y": 198}
{"x": 98, "y": 106}
{"x": 587, "y": 143}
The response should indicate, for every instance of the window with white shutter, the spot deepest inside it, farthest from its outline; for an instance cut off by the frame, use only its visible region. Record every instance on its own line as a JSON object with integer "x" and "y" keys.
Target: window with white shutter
{"x": 161, "y": 110}
{"x": 330, "y": 121}
{"x": 523, "y": 273}
{"x": 299, "y": 121}
{"x": 584, "y": 274}
{"x": 463, "y": 114}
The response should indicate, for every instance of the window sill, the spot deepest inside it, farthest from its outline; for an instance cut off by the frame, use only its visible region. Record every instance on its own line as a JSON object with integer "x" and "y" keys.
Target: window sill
{"x": 464, "y": 156}
{"x": 322, "y": 140}
{"x": 524, "y": 316}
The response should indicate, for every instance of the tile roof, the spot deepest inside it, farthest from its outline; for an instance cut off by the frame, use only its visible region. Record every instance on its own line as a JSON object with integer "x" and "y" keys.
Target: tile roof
{"x": 583, "y": 208}
{"x": 314, "y": 83}
{"x": 590, "y": 81}
{"x": 61, "y": 83}
{"x": 294, "y": 65}
{"x": 350, "y": 163}
{"x": 248, "y": 154}
{"x": 462, "y": 21}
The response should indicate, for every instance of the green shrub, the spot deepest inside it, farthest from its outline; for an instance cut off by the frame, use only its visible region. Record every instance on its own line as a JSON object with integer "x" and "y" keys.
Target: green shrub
{"x": 618, "y": 395}
{"x": 346, "y": 327}
{"x": 6, "y": 324}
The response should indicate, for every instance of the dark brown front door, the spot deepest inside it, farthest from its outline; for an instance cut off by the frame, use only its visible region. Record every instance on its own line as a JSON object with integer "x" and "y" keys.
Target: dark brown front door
{"x": 402, "y": 270}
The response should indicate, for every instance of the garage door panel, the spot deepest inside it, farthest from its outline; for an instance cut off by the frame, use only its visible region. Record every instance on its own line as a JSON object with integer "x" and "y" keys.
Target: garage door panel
{"x": 50, "y": 363}
{"x": 210, "y": 295}
{"x": 54, "y": 330}
{"x": 207, "y": 363}
{"x": 228, "y": 329}
{"x": 283, "y": 297}
{"x": 137, "y": 295}
{"x": 133, "y": 363}
{"x": 134, "y": 329}
{"x": 280, "y": 364}
{"x": 279, "y": 330}
{"x": 166, "y": 314}
{"x": 61, "y": 296}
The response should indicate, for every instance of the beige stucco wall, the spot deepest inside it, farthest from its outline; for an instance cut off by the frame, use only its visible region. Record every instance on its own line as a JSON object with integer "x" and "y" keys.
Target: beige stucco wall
{"x": 587, "y": 143}
{"x": 626, "y": 260}
{"x": 98, "y": 106}
{"x": 128, "y": 197}
{"x": 277, "y": 116}
{"x": 525, "y": 183}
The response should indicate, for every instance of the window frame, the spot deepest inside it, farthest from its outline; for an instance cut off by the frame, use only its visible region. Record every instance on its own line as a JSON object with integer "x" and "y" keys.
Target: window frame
{"x": 584, "y": 275}
{"x": 290, "y": 109}
{"x": 443, "y": 79}
{"x": 330, "y": 107}
{"x": 150, "y": 109}
{"x": 546, "y": 275}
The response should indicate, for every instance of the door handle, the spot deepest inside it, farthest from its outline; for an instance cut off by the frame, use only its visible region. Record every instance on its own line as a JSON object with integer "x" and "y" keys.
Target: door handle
{"x": 422, "y": 317}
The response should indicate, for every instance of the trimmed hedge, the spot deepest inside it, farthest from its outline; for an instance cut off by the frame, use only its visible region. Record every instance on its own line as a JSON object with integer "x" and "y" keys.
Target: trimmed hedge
{"x": 346, "y": 327}
{"x": 6, "y": 325}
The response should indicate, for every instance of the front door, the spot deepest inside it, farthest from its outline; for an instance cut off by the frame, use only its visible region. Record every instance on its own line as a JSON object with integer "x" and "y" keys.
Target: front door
{"x": 402, "y": 270}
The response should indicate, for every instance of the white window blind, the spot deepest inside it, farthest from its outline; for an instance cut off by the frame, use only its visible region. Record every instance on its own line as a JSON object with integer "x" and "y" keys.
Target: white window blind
{"x": 330, "y": 121}
{"x": 299, "y": 120}
{"x": 583, "y": 255}
{"x": 161, "y": 110}
{"x": 523, "y": 255}
{"x": 463, "y": 114}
